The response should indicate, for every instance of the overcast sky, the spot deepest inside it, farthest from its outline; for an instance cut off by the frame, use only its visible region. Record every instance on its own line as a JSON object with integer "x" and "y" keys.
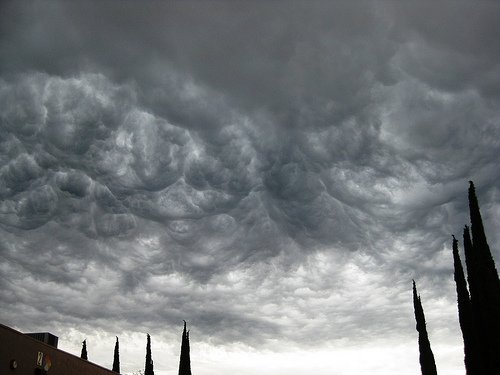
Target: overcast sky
{"x": 275, "y": 173}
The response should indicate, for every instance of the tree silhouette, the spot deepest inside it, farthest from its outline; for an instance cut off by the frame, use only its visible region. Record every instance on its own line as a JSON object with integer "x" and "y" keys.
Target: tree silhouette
{"x": 472, "y": 264}
{"x": 473, "y": 363}
{"x": 480, "y": 243}
{"x": 116, "y": 359}
{"x": 185, "y": 360}
{"x": 83, "y": 355}
{"x": 478, "y": 301}
{"x": 148, "y": 370}
{"x": 427, "y": 363}
{"x": 484, "y": 287}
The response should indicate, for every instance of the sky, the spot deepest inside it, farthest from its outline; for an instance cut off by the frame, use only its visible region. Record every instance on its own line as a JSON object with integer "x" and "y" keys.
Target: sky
{"x": 275, "y": 173}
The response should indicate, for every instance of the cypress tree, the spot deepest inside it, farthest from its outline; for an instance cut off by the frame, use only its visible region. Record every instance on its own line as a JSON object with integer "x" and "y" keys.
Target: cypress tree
{"x": 471, "y": 262}
{"x": 83, "y": 355}
{"x": 116, "y": 359}
{"x": 465, "y": 316}
{"x": 477, "y": 300}
{"x": 185, "y": 360}
{"x": 485, "y": 291}
{"x": 479, "y": 240}
{"x": 427, "y": 363}
{"x": 148, "y": 370}
{"x": 482, "y": 249}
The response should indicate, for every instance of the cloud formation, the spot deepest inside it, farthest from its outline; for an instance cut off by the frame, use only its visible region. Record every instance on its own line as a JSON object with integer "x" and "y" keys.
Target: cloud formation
{"x": 265, "y": 173}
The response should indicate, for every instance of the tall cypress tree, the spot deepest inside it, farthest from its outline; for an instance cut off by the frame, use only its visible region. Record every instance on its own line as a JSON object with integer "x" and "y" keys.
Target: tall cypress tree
{"x": 484, "y": 287}
{"x": 471, "y": 262}
{"x": 480, "y": 243}
{"x": 427, "y": 363}
{"x": 185, "y": 360}
{"x": 116, "y": 358}
{"x": 148, "y": 370}
{"x": 466, "y": 318}
{"x": 478, "y": 301}
{"x": 83, "y": 355}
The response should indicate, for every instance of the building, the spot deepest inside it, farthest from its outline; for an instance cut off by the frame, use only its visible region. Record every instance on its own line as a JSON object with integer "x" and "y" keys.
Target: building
{"x": 45, "y": 337}
{"x": 37, "y": 354}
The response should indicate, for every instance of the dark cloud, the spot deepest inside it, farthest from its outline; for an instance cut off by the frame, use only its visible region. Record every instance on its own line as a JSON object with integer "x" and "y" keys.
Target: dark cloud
{"x": 451, "y": 48}
{"x": 265, "y": 172}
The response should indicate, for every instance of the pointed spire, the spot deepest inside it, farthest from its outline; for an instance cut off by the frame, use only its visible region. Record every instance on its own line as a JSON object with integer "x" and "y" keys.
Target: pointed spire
{"x": 427, "y": 363}
{"x": 148, "y": 370}
{"x": 185, "y": 360}
{"x": 466, "y": 317}
{"x": 83, "y": 355}
{"x": 116, "y": 358}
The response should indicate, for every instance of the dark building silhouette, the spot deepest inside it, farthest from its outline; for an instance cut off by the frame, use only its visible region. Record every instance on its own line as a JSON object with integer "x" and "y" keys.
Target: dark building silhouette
{"x": 22, "y": 354}
{"x": 45, "y": 337}
{"x": 185, "y": 360}
{"x": 148, "y": 369}
{"x": 427, "y": 363}
{"x": 116, "y": 358}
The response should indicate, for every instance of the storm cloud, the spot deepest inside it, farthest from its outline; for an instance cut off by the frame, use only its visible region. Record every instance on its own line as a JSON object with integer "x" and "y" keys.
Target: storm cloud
{"x": 274, "y": 173}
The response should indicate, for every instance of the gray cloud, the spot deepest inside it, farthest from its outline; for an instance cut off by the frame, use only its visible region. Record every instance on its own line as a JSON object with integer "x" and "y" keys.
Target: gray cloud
{"x": 448, "y": 57}
{"x": 263, "y": 172}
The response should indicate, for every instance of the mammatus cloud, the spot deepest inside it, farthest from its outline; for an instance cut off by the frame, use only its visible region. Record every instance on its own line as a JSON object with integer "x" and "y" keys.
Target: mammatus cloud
{"x": 274, "y": 176}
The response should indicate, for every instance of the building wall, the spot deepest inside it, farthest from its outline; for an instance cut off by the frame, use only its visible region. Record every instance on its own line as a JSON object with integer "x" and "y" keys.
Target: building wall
{"x": 25, "y": 351}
